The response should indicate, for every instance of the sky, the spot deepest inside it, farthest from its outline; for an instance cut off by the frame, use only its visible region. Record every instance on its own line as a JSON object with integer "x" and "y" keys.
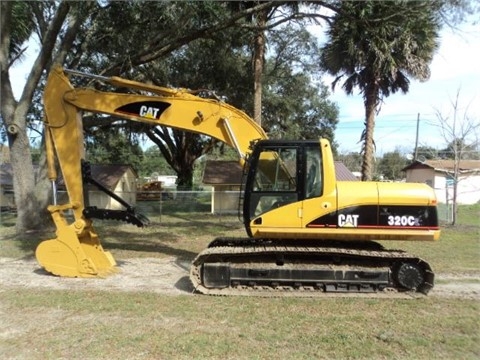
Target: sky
{"x": 455, "y": 68}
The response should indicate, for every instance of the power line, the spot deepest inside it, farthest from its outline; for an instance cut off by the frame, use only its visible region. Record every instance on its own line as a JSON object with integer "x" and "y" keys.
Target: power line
{"x": 376, "y": 127}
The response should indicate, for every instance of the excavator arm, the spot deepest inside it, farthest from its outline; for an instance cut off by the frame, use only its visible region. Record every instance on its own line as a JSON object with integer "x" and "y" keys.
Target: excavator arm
{"x": 76, "y": 251}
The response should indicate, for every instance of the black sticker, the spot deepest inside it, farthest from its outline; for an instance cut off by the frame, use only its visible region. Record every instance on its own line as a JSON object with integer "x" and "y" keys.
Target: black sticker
{"x": 146, "y": 109}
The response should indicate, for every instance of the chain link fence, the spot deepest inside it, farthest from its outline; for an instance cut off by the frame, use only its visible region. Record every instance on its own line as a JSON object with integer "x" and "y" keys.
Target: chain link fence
{"x": 155, "y": 204}
{"x": 445, "y": 213}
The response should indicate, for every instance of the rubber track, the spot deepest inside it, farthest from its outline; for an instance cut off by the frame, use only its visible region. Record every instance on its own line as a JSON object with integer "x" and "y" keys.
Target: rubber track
{"x": 216, "y": 253}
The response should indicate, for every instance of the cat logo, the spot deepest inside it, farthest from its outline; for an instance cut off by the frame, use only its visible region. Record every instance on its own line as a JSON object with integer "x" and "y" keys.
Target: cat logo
{"x": 149, "y": 112}
{"x": 348, "y": 220}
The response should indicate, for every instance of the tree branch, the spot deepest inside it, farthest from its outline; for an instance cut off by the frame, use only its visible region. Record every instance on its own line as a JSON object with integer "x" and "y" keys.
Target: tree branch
{"x": 44, "y": 56}
{"x": 74, "y": 24}
{"x": 155, "y": 50}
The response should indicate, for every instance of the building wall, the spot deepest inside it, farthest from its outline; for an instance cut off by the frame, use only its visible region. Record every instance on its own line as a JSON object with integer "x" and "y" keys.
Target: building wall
{"x": 440, "y": 188}
{"x": 468, "y": 190}
{"x": 225, "y": 199}
{"x": 126, "y": 188}
{"x": 7, "y": 200}
{"x": 424, "y": 176}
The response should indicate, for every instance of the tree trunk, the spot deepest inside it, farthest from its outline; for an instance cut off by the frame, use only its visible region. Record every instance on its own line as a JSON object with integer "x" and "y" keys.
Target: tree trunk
{"x": 456, "y": 175}
{"x": 258, "y": 62}
{"x": 31, "y": 195}
{"x": 369, "y": 145}
{"x": 185, "y": 179}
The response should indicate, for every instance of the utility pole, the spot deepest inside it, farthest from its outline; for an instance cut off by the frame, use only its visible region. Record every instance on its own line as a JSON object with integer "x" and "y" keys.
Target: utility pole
{"x": 416, "y": 138}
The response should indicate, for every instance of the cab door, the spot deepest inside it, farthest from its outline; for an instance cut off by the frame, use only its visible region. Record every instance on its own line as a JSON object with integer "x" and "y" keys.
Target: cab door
{"x": 274, "y": 188}
{"x": 319, "y": 205}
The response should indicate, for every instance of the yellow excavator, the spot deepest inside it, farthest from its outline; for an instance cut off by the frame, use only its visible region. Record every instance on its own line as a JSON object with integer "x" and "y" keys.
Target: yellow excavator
{"x": 307, "y": 232}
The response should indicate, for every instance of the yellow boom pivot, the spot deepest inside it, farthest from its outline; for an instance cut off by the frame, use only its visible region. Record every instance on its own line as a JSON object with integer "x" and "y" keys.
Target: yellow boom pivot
{"x": 76, "y": 251}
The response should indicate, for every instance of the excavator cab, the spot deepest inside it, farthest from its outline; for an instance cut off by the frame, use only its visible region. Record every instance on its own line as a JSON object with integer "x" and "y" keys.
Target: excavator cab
{"x": 280, "y": 173}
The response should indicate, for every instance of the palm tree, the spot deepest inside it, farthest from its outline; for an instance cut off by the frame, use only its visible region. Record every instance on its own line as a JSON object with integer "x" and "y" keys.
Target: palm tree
{"x": 22, "y": 27}
{"x": 378, "y": 46}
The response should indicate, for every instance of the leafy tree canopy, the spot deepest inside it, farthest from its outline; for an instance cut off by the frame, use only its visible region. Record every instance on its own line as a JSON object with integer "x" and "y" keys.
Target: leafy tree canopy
{"x": 296, "y": 104}
{"x": 113, "y": 147}
{"x": 154, "y": 162}
{"x": 391, "y": 165}
{"x": 427, "y": 152}
{"x": 459, "y": 147}
{"x": 352, "y": 160}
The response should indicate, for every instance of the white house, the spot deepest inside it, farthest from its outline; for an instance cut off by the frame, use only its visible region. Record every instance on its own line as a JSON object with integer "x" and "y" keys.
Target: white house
{"x": 439, "y": 175}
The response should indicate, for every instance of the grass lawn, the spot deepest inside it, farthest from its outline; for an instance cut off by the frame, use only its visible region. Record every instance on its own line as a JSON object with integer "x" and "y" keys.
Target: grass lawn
{"x": 59, "y": 324}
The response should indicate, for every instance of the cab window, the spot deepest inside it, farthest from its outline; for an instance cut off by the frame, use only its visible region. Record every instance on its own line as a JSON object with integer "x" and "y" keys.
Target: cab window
{"x": 275, "y": 179}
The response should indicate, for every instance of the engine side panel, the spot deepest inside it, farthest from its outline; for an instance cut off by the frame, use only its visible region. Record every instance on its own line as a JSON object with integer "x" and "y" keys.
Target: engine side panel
{"x": 357, "y": 211}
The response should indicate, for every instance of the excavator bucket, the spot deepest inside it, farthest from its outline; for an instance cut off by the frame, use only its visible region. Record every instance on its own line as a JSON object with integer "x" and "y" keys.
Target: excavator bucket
{"x": 75, "y": 255}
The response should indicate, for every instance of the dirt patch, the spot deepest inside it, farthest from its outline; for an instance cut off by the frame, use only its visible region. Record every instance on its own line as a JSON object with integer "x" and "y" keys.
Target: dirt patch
{"x": 170, "y": 277}
{"x": 165, "y": 276}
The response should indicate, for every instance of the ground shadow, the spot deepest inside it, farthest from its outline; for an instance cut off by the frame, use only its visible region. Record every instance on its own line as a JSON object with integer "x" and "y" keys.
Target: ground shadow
{"x": 184, "y": 284}
{"x": 159, "y": 237}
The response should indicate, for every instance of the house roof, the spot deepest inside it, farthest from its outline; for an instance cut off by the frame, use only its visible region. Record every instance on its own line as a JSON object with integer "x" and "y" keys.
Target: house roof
{"x": 6, "y": 174}
{"x": 342, "y": 173}
{"x": 445, "y": 165}
{"x": 109, "y": 175}
{"x": 218, "y": 172}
